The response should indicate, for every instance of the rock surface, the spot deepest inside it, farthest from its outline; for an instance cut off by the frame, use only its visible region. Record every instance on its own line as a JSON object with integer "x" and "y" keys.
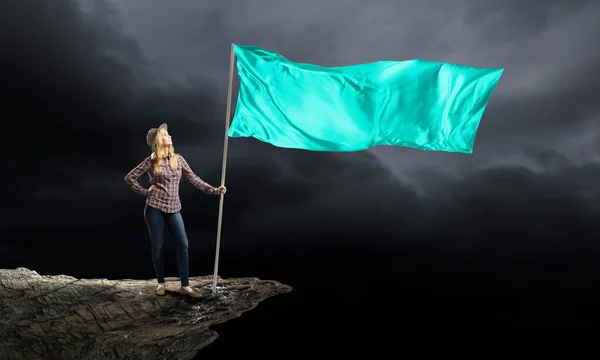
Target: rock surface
{"x": 61, "y": 317}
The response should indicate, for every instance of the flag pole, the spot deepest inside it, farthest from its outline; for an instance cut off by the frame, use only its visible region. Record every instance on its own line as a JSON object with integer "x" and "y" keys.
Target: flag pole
{"x": 225, "y": 146}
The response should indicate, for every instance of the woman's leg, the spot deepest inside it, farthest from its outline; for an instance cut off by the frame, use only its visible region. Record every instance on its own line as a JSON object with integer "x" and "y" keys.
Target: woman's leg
{"x": 156, "y": 229}
{"x": 174, "y": 223}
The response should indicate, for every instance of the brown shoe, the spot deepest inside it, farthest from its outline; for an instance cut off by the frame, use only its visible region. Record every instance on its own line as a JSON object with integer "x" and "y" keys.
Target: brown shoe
{"x": 194, "y": 293}
{"x": 160, "y": 291}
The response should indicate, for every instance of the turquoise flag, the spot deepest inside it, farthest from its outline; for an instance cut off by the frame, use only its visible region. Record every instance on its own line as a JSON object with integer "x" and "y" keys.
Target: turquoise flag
{"x": 413, "y": 103}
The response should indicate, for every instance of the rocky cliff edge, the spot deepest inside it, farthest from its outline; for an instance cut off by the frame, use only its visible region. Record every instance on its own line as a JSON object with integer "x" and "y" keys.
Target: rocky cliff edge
{"x": 61, "y": 317}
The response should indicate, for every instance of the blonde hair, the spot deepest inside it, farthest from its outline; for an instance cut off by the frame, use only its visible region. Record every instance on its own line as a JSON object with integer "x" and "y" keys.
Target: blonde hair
{"x": 161, "y": 152}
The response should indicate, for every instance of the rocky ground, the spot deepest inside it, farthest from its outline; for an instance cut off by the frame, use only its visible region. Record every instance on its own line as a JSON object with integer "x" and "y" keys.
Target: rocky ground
{"x": 61, "y": 317}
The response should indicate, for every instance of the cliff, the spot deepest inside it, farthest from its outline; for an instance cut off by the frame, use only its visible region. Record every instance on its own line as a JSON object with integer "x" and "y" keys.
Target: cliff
{"x": 61, "y": 317}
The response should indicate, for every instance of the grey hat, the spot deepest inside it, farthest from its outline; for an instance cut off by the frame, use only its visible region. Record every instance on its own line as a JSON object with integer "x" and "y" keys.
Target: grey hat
{"x": 151, "y": 136}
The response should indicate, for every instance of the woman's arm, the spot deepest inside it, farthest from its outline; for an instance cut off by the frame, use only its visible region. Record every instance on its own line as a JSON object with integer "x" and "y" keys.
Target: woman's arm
{"x": 135, "y": 173}
{"x": 195, "y": 179}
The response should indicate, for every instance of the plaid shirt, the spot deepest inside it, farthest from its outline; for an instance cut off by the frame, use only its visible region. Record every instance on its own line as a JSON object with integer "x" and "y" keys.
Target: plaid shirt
{"x": 166, "y": 196}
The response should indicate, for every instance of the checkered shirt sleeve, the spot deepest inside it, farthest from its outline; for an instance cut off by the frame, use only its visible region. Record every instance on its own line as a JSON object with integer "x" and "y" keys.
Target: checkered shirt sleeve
{"x": 131, "y": 179}
{"x": 195, "y": 179}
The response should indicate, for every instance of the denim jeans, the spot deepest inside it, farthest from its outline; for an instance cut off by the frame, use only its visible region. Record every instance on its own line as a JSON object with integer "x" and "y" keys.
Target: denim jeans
{"x": 157, "y": 221}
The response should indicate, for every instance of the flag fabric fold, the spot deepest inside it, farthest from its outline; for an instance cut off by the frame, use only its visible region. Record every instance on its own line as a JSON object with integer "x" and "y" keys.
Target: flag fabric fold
{"x": 412, "y": 103}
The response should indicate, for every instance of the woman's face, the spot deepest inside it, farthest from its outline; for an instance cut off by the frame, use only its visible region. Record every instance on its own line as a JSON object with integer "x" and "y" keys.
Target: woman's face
{"x": 165, "y": 137}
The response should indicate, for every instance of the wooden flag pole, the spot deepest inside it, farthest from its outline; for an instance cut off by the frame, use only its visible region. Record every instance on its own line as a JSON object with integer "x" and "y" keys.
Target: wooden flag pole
{"x": 225, "y": 145}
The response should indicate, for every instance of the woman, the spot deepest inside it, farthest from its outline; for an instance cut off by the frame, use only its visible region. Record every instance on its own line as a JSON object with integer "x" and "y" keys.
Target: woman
{"x": 162, "y": 209}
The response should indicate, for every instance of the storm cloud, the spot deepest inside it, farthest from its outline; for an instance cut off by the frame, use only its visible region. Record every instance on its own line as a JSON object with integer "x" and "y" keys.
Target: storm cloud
{"x": 92, "y": 82}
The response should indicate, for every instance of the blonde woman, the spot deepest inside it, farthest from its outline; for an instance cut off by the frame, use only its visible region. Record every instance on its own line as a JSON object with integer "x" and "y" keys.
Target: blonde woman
{"x": 162, "y": 209}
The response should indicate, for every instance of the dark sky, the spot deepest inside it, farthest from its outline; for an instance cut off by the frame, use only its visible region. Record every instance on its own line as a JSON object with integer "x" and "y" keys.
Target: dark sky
{"x": 505, "y": 239}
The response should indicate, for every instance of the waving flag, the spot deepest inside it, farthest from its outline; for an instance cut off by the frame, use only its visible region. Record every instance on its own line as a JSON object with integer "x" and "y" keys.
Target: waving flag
{"x": 413, "y": 103}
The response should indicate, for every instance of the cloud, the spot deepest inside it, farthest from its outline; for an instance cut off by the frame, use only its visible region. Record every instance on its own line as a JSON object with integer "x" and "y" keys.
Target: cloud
{"x": 545, "y": 99}
{"x": 482, "y": 33}
{"x": 83, "y": 97}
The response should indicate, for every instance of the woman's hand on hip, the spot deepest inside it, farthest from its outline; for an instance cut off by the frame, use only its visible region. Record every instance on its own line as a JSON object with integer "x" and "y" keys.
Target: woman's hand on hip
{"x": 152, "y": 188}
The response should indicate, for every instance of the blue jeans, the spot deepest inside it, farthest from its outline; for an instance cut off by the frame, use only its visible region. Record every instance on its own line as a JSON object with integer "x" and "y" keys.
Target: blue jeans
{"x": 157, "y": 221}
